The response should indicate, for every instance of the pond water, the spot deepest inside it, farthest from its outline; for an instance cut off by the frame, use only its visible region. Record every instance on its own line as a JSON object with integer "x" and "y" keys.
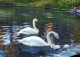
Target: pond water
{"x": 65, "y": 23}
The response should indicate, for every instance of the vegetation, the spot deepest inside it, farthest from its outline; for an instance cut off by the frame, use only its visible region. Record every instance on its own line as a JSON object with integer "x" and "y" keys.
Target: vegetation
{"x": 65, "y": 4}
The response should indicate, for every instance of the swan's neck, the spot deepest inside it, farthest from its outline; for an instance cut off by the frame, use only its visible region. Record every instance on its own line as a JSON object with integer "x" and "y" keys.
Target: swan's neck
{"x": 34, "y": 26}
{"x": 48, "y": 38}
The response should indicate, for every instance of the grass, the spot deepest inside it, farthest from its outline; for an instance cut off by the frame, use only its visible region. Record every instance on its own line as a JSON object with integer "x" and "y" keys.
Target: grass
{"x": 39, "y": 3}
{"x": 63, "y": 4}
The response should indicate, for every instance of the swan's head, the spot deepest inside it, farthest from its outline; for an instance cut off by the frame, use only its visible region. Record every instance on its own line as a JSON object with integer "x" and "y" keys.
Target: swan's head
{"x": 35, "y": 20}
{"x": 55, "y": 34}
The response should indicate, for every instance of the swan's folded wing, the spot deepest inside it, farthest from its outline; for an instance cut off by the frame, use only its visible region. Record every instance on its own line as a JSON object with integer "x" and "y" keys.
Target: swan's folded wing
{"x": 33, "y": 41}
{"x": 37, "y": 41}
{"x": 28, "y": 30}
{"x": 24, "y": 41}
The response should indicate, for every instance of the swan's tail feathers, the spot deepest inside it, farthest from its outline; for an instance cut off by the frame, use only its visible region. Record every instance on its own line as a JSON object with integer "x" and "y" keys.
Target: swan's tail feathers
{"x": 19, "y": 41}
{"x": 19, "y": 32}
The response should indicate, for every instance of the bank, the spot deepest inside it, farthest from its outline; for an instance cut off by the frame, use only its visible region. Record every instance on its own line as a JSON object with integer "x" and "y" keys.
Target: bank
{"x": 63, "y": 4}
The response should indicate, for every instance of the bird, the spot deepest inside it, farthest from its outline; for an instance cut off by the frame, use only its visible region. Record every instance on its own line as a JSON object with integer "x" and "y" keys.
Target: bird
{"x": 38, "y": 41}
{"x": 29, "y": 30}
{"x": 66, "y": 46}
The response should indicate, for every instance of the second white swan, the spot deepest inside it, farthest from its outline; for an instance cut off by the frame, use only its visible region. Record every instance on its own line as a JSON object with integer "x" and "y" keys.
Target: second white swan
{"x": 29, "y": 30}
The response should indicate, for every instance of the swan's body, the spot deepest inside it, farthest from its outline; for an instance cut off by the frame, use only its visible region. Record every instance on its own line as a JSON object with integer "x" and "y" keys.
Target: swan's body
{"x": 33, "y": 41}
{"x": 30, "y": 30}
{"x": 37, "y": 41}
{"x": 66, "y": 46}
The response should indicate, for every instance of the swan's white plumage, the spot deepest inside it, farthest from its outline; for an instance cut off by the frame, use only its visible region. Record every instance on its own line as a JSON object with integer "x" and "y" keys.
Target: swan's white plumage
{"x": 29, "y": 30}
{"x": 33, "y": 41}
{"x": 37, "y": 41}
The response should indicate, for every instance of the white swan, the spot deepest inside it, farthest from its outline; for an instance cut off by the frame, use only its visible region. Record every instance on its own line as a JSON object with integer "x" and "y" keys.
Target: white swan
{"x": 29, "y": 30}
{"x": 37, "y": 41}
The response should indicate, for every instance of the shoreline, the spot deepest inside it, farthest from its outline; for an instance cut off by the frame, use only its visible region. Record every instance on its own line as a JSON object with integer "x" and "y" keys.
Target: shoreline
{"x": 74, "y": 10}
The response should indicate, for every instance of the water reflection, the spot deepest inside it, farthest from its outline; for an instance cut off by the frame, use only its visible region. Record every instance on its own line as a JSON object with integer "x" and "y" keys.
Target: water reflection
{"x": 76, "y": 35}
{"x": 2, "y": 54}
{"x": 13, "y": 19}
{"x": 36, "y": 50}
{"x": 47, "y": 28}
{"x": 11, "y": 50}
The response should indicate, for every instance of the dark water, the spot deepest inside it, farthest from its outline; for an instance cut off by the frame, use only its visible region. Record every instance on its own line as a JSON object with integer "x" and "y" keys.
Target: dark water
{"x": 13, "y": 19}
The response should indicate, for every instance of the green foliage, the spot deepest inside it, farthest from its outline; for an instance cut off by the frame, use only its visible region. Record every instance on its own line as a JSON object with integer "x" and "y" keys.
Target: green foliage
{"x": 78, "y": 53}
{"x": 23, "y": 1}
{"x": 6, "y": 2}
{"x": 65, "y": 4}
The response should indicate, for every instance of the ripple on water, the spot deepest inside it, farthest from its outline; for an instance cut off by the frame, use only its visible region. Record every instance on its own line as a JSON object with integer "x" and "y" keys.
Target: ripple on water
{"x": 13, "y": 19}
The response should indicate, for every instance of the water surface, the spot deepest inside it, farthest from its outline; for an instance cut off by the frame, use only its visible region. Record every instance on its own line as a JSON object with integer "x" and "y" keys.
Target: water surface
{"x": 65, "y": 23}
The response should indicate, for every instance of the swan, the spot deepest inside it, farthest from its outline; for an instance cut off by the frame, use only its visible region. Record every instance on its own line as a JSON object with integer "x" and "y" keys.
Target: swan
{"x": 66, "y": 46}
{"x": 29, "y": 30}
{"x": 37, "y": 41}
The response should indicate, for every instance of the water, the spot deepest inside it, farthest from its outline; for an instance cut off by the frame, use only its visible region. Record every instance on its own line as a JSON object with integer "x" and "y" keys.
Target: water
{"x": 65, "y": 23}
